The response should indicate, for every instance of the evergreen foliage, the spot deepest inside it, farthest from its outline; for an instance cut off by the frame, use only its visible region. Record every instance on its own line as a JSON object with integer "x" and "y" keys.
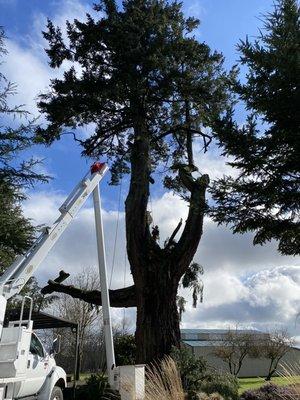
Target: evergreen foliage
{"x": 16, "y": 175}
{"x": 125, "y": 349}
{"x": 16, "y": 232}
{"x": 138, "y": 65}
{"x": 192, "y": 370}
{"x": 265, "y": 197}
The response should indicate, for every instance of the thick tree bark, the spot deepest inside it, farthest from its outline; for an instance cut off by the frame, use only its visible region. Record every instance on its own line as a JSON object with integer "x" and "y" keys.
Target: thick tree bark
{"x": 157, "y": 272}
{"x": 157, "y": 315}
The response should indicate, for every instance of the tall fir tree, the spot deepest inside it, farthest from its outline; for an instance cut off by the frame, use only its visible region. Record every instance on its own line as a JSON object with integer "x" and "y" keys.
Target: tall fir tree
{"x": 16, "y": 233}
{"x": 265, "y": 197}
{"x": 151, "y": 89}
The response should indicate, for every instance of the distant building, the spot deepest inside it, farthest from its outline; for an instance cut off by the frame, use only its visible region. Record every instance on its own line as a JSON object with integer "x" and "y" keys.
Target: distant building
{"x": 202, "y": 343}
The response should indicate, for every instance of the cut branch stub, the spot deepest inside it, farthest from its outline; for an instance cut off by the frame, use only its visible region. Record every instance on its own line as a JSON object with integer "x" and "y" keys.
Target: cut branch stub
{"x": 172, "y": 237}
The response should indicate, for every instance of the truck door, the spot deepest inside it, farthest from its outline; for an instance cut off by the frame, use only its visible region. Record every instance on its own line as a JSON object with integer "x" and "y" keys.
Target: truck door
{"x": 37, "y": 368}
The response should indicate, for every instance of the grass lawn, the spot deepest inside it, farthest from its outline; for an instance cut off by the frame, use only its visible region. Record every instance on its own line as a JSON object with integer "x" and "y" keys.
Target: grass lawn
{"x": 255, "y": 383}
{"x": 245, "y": 383}
{"x": 84, "y": 376}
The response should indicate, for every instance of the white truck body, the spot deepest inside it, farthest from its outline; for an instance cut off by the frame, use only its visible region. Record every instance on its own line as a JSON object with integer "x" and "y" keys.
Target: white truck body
{"x": 26, "y": 369}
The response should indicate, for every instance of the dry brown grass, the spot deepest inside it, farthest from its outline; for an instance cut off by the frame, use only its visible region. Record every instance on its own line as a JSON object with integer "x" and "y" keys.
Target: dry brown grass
{"x": 213, "y": 396}
{"x": 290, "y": 374}
{"x": 163, "y": 382}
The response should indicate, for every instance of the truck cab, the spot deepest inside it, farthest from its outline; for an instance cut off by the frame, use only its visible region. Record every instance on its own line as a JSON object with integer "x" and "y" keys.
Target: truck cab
{"x": 27, "y": 370}
{"x": 40, "y": 367}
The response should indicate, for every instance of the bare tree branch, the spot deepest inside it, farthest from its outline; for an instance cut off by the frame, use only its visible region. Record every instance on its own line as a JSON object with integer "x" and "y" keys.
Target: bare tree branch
{"x": 172, "y": 237}
{"x": 119, "y": 298}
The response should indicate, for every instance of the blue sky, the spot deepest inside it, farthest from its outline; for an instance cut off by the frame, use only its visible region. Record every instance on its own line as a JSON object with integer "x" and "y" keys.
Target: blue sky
{"x": 251, "y": 286}
{"x": 223, "y": 24}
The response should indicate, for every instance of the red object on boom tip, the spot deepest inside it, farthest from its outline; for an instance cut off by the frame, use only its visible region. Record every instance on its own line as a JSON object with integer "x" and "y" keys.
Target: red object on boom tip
{"x": 96, "y": 167}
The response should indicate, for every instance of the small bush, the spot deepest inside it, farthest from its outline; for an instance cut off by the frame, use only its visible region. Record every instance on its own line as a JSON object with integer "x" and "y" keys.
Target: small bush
{"x": 125, "y": 349}
{"x": 192, "y": 369}
{"x": 198, "y": 377}
{"x": 267, "y": 392}
{"x": 227, "y": 385}
{"x": 96, "y": 387}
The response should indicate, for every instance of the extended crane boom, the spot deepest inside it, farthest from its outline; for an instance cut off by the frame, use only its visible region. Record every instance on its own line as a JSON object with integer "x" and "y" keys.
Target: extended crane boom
{"x": 15, "y": 277}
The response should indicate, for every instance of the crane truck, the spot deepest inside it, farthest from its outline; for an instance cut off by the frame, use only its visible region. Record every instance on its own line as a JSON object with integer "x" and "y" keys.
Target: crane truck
{"x": 27, "y": 371}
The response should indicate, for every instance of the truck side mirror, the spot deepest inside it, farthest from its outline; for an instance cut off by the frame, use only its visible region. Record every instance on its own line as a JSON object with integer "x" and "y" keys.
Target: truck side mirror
{"x": 55, "y": 349}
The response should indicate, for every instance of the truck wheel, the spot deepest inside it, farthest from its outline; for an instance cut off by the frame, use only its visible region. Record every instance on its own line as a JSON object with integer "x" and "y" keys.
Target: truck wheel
{"x": 57, "y": 394}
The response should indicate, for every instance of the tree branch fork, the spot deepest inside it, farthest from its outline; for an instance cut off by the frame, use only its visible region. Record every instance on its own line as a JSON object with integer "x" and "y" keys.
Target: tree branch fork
{"x": 126, "y": 297}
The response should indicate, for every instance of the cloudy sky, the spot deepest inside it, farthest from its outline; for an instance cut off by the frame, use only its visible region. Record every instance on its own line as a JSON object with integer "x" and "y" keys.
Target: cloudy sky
{"x": 245, "y": 285}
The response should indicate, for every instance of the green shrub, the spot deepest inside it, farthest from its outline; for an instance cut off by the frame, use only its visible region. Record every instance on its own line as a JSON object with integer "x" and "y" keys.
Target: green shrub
{"x": 96, "y": 387}
{"x": 192, "y": 370}
{"x": 125, "y": 349}
{"x": 198, "y": 377}
{"x": 225, "y": 384}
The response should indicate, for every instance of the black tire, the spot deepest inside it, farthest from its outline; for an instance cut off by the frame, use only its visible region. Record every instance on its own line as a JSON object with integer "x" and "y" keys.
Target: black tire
{"x": 57, "y": 394}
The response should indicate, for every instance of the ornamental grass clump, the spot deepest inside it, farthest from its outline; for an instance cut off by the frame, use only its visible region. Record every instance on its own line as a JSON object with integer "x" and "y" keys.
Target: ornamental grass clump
{"x": 163, "y": 381}
{"x": 291, "y": 374}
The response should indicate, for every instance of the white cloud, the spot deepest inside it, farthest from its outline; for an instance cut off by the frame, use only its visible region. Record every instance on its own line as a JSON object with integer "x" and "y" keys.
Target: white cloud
{"x": 268, "y": 299}
{"x": 242, "y": 284}
{"x": 194, "y": 9}
{"x": 277, "y": 288}
{"x": 30, "y": 74}
{"x": 27, "y": 64}
{"x": 167, "y": 211}
{"x": 76, "y": 248}
{"x": 227, "y": 288}
{"x": 212, "y": 162}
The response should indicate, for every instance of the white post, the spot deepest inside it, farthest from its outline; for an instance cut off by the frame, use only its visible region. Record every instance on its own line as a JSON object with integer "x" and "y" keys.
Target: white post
{"x": 109, "y": 346}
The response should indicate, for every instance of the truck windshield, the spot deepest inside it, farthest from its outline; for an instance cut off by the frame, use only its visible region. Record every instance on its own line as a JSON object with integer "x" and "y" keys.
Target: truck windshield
{"x": 36, "y": 346}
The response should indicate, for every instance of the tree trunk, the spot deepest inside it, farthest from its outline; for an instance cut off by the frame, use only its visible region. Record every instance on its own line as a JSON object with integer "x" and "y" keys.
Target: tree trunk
{"x": 157, "y": 314}
{"x": 156, "y": 271}
{"x": 272, "y": 370}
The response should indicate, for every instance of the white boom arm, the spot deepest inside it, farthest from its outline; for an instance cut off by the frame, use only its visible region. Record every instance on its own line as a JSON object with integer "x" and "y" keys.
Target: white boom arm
{"x": 16, "y": 276}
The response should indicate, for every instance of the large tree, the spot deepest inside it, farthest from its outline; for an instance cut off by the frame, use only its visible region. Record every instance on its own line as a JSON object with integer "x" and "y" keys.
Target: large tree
{"x": 16, "y": 174}
{"x": 151, "y": 89}
{"x": 265, "y": 197}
